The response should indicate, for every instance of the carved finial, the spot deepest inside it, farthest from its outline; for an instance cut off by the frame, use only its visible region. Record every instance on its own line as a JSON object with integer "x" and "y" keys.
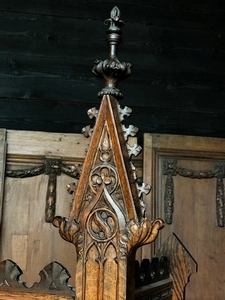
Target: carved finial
{"x": 115, "y": 22}
{"x": 111, "y": 69}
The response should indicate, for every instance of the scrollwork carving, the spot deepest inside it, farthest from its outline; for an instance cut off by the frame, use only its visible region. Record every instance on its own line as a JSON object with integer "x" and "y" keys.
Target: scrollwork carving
{"x": 102, "y": 225}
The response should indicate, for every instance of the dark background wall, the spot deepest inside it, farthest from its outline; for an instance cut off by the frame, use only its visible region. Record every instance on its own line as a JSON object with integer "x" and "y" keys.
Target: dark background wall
{"x": 177, "y": 47}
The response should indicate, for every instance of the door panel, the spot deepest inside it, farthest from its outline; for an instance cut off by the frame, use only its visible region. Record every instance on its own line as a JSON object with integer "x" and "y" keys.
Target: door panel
{"x": 187, "y": 178}
{"x": 26, "y": 238}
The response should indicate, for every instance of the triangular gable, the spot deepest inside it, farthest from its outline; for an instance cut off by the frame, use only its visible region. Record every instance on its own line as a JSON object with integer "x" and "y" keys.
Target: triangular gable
{"x": 107, "y": 133}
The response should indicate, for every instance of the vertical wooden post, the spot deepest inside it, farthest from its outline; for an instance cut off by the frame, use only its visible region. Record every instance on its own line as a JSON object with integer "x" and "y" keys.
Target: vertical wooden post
{"x": 107, "y": 222}
{"x": 2, "y": 168}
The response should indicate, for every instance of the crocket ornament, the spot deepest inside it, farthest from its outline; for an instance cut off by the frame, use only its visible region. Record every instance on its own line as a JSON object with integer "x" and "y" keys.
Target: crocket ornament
{"x": 107, "y": 221}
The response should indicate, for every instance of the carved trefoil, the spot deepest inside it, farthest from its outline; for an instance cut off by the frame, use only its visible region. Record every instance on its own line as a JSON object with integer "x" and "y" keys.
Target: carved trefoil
{"x": 107, "y": 222}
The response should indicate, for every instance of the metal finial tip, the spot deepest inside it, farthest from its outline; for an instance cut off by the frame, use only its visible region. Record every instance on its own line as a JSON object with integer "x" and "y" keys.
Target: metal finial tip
{"x": 115, "y": 13}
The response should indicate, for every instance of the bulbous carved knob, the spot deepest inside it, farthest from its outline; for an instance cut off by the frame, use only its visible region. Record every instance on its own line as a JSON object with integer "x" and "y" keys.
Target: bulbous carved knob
{"x": 111, "y": 70}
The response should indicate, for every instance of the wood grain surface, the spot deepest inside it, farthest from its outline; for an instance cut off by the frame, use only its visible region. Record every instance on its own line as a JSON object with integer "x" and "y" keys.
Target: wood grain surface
{"x": 194, "y": 216}
{"x": 48, "y": 50}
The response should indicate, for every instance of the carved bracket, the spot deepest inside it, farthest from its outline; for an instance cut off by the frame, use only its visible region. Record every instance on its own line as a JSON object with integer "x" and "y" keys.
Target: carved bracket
{"x": 170, "y": 168}
{"x": 52, "y": 167}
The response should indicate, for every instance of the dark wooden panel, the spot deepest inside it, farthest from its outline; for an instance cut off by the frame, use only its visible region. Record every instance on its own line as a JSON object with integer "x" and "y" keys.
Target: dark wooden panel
{"x": 33, "y": 34}
{"x": 146, "y": 11}
{"x": 72, "y": 117}
{"x": 178, "y": 51}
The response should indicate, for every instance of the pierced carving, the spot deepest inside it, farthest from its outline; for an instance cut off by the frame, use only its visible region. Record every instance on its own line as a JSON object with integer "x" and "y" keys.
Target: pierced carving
{"x": 103, "y": 175}
{"x": 107, "y": 208}
{"x": 102, "y": 225}
{"x": 54, "y": 279}
{"x": 172, "y": 169}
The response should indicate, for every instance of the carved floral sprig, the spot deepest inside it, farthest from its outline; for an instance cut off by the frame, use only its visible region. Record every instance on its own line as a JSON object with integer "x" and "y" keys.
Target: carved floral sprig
{"x": 126, "y": 111}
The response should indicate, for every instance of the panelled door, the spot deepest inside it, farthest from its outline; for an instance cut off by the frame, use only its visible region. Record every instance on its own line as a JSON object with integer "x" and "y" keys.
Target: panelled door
{"x": 187, "y": 177}
{"x": 40, "y": 170}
